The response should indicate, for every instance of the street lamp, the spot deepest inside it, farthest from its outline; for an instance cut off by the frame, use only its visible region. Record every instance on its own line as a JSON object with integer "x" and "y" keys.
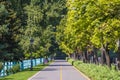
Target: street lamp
{"x": 31, "y": 43}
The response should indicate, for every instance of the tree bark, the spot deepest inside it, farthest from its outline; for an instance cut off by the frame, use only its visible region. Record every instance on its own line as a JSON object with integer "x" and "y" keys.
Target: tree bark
{"x": 102, "y": 56}
{"x": 107, "y": 56}
{"x": 118, "y": 59}
{"x": 95, "y": 56}
{"x": 85, "y": 57}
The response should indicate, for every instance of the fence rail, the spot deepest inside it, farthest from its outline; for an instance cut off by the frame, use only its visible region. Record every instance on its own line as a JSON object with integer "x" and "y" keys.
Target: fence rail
{"x": 23, "y": 65}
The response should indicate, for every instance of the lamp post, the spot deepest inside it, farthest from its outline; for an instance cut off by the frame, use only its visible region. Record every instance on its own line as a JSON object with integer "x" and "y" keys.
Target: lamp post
{"x": 31, "y": 43}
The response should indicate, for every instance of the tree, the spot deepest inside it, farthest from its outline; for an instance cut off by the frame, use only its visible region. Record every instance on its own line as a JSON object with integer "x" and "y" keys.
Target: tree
{"x": 10, "y": 29}
{"x": 89, "y": 26}
{"x": 42, "y": 18}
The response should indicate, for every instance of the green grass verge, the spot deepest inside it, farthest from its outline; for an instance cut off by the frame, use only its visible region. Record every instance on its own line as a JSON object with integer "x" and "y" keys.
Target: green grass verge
{"x": 96, "y": 72}
{"x": 24, "y": 75}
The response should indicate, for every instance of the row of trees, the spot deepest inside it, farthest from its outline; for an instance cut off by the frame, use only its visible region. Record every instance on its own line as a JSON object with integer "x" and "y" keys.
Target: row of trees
{"x": 22, "y": 20}
{"x": 89, "y": 26}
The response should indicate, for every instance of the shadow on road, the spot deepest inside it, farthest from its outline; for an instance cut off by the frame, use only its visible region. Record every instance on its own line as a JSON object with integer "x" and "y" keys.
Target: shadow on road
{"x": 6, "y": 78}
{"x": 60, "y": 61}
{"x": 49, "y": 69}
{"x": 34, "y": 69}
{"x": 60, "y": 65}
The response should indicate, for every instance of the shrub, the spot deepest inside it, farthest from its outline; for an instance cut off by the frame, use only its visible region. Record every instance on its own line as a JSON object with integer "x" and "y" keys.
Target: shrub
{"x": 9, "y": 71}
{"x": 67, "y": 58}
{"x": 16, "y": 68}
{"x": 1, "y": 66}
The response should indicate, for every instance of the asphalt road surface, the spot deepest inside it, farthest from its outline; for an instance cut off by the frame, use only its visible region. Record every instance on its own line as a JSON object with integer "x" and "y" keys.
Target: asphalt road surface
{"x": 59, "y": 70}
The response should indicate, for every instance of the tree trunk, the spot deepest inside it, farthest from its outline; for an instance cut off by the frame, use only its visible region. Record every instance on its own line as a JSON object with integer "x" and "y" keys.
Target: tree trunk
{"x": 102, "y": 56}
{"x": 74, "y": 54}
{"x": 95, "y": 56}
{"x": 107, "y": 58}
{"x": 118, "y": 59}
{"x": 69, "y": 56}
{"x": 85, "y": 57}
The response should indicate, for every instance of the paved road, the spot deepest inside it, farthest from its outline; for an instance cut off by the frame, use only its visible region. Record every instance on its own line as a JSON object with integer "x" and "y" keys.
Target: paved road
{"x": 59, "y": 70}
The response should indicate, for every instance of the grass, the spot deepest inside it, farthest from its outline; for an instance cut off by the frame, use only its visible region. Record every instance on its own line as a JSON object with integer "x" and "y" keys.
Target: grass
{"x": 96, "y": 72}
{"x": 24, "y": 75}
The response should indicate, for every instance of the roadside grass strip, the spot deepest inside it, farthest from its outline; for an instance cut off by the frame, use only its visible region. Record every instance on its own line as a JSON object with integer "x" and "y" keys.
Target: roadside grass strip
{"x": 96, "y": 72}
{"x": 25, "y": 74}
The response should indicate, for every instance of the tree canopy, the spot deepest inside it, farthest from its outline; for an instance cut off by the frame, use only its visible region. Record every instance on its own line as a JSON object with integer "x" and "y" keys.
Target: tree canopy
{"x": 88, "y": 24}
{"x": 21, "y": 21}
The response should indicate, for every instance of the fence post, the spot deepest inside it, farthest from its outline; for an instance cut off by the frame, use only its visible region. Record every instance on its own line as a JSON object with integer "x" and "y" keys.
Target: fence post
{"x": 21, "y": 65}
{"x": 43, "y": 59}
{"x": 10, "y": 64}
{"x": 40, "y": 61}
{"x": 35, "y": 62}
{"x": 7, "y": 67}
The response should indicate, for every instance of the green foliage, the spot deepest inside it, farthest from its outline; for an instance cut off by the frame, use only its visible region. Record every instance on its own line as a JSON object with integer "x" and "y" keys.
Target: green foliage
{"x": 21, "y": 20}
{"x": 10, "y": 25}
{"x": 14, "y": 69}
{"x": 3, "y": 11}
{"x": 42, "y": 18}
{"x": 1, "y": 66}
{"x": 89, "y": 23}
{"x": 96, "y": 72}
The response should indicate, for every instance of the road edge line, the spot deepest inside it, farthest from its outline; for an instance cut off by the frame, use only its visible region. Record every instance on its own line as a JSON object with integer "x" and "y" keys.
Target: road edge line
{"x": 81, "y": 73}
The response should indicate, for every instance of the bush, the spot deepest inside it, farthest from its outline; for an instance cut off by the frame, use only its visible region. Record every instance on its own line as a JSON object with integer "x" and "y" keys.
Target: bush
{"x": 16, "y": 68}
{"x": 9, "y": 71}
{"x": 67, "y": 58}
{"x": 1, "y": 66}
{"x": 13, "y": 70}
